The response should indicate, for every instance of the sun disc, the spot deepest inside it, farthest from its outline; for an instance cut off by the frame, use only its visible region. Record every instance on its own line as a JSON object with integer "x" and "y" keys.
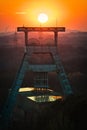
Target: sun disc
{"x": 42, "y": 18}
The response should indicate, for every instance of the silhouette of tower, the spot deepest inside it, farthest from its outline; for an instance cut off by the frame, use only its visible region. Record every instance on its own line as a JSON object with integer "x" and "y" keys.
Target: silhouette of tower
{"x": 41, "y": 71}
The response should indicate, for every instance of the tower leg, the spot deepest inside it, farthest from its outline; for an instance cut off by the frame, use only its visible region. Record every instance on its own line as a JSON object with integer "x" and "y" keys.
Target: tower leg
{"x": 9, "y": 105}
{"x": 62, "y": 75}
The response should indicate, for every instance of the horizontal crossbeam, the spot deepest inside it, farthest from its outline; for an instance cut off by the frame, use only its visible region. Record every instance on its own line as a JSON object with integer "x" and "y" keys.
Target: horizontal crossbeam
{"x": 41, "y": 29}
{"x": 42, "y": 68}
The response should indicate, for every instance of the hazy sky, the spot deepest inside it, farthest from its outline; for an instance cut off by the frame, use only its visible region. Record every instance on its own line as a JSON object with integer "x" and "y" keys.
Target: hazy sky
{"x": 69, "y": 13}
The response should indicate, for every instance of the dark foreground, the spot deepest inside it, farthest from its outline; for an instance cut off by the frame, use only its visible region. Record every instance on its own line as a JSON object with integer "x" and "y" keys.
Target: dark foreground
{"x": 69, "y": 114}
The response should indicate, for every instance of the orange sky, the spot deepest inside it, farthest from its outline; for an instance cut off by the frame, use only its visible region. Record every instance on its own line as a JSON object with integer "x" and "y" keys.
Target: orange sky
{"x": 69, "y": 13}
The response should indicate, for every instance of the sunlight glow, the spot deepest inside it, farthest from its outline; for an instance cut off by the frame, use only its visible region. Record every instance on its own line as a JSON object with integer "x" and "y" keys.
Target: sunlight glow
{"x": 42, "y": 18}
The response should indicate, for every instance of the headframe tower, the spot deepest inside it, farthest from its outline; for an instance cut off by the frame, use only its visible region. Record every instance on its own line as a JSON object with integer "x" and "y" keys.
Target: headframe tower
{"x": 41, "y": 71}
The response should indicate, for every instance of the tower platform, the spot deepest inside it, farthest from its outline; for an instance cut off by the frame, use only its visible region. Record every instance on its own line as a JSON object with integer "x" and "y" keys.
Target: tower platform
{"x": 40, "y": 94}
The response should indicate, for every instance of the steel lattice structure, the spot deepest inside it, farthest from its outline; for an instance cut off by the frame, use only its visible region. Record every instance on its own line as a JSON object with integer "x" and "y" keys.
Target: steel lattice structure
{"x": 41, "y": 71}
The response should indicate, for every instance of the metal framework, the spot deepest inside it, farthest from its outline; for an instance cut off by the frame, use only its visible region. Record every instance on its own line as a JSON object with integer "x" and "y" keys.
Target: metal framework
{"x": 41, "y": 71}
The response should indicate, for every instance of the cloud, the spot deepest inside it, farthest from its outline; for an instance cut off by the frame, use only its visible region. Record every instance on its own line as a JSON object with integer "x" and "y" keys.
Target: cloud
{"x": 21, "y": 12}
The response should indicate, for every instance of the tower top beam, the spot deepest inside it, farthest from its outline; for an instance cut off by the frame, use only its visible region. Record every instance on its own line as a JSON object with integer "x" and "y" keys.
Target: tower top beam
{"x": 41, "y": 29}
{"x": 55, "y": 30}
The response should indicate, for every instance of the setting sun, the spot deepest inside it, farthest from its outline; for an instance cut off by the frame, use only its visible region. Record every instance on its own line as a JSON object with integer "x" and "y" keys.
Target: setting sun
{"x": 42, "y": 18}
